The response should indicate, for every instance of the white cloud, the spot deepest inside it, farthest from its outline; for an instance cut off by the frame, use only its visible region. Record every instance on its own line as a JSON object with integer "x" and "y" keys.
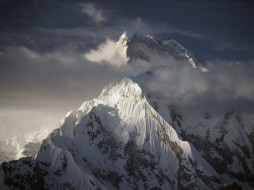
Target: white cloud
{"x": 95, "y": 14}
{"x": 227, "y": 86}
{"x": 178, "y": 84}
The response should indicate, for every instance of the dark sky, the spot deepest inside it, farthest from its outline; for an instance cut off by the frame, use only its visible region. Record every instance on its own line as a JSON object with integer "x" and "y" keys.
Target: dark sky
{"x": 43, "y": 73}
{"x": 211, "y": 29}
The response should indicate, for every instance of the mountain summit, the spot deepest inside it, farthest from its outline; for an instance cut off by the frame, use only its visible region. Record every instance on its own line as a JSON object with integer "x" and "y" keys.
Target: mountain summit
{"x": 135, "y": 46}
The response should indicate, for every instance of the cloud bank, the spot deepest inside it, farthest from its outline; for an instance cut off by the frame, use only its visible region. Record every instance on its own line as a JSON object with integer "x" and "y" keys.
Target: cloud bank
{"x": 227, "y": 86}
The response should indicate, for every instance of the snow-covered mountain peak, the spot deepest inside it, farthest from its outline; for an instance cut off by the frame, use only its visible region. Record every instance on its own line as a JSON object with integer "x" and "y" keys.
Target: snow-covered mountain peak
{"x": 122, "y": 96}
{"x": 128, "y": 35}
{"x": 125, "y": 37}
{"x": 133, "y": 46}
{"x": 126, "y": 88}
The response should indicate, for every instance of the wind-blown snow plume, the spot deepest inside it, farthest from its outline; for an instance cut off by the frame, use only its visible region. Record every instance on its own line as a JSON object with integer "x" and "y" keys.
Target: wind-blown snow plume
{"x": 107, "y": 53}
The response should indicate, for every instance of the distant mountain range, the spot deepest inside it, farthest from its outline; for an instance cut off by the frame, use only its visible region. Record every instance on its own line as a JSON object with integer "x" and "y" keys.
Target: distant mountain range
{"x": 19, "y": 146}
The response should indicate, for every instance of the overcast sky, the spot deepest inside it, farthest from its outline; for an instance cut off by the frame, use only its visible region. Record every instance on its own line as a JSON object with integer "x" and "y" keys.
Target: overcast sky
{"x": 43, "y": 70}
